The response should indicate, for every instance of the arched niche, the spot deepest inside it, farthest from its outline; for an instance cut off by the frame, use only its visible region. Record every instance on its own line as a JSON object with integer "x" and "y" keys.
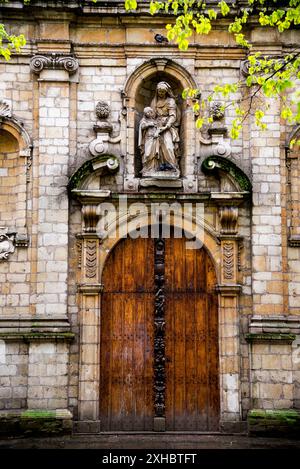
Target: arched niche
{"x": 138, "y": 93}
{"x": 293, "y": 185}
{"x": 15, "y": 162}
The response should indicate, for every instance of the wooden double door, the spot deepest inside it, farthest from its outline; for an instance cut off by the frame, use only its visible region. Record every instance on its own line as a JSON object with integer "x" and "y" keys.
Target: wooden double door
{"x": 159, "y": 338}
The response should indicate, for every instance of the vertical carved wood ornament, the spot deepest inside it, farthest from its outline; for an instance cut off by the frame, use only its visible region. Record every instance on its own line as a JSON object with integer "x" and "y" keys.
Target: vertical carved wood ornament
{"x": 159, "y": 329}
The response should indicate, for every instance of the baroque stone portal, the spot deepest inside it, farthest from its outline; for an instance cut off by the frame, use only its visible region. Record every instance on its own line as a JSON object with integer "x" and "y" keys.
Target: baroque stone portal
{"x": 159, "y": 135}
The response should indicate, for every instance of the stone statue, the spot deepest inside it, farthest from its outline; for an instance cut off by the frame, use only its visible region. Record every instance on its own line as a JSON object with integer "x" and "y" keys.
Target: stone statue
{"x": 158, "y": 134}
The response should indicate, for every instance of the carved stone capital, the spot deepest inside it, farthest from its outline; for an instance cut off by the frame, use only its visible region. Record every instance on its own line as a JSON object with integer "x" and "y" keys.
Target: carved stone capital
{"x": 229, "y": 289}
{"x": 54, "y": 62}
{"x": 91, "y": 288}
{"x": 90, "y": 218}
{"x": 228, "y": 219}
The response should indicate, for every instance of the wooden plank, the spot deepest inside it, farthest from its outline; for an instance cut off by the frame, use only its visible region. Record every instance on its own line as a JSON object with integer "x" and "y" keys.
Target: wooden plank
{"x": 127, "y": 338}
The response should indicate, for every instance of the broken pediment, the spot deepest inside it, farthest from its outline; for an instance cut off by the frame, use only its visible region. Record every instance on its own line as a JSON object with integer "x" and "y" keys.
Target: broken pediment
{"x": 87, "y": 178}
{"x": 232, "y": 178}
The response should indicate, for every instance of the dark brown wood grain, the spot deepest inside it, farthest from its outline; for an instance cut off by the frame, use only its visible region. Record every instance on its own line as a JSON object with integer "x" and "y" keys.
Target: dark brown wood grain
{"x": 191, "y": 311}
{"x": 128, "y": 378}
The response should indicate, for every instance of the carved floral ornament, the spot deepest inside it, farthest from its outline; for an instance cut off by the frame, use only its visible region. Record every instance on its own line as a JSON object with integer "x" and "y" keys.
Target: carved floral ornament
{"x": 54, "y": 61}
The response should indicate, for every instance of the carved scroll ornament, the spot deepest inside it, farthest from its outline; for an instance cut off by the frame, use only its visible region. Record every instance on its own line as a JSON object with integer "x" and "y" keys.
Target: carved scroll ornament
{"x": 55, "y": 62}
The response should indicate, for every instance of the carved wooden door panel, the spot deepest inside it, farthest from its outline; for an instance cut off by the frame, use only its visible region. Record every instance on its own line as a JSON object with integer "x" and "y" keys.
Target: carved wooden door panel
{"x": 159, "y": 338}
{"x": 126, "y": 377}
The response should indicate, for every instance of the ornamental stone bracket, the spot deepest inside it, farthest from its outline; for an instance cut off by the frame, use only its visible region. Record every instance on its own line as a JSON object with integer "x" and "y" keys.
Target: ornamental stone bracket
{"x": 216, "y": 145}
{"x": 54, "y": 67}
{"x": 103, "y": 130}
{"x": 228, "y": 219}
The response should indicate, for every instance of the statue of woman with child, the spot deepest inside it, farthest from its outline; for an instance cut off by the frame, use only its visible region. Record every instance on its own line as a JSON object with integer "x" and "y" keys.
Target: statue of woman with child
{"x": 158, "y": 133}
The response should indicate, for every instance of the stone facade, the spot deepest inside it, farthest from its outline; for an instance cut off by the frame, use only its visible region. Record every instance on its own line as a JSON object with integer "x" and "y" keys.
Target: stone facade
{"x": 59, "y": 160}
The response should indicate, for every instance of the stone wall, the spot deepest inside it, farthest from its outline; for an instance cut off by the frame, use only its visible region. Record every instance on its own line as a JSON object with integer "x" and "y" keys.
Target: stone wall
{"x": 41, "y": 279}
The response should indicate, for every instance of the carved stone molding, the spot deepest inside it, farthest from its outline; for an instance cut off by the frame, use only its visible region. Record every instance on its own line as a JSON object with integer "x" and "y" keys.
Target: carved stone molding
{"x": 90, "y": 218}
{"x": 90, "y": 288}
{"x": 274, "y": 324}
{"x": 91, "y": 258}
{"x": 7, "y": 244}
{"x": 228, "y": 260}
{"x": 5, "y": 109}
{"x": 54, "y": 62}
{"x": 230, "y": 289}
{"x": 228, "y": 219}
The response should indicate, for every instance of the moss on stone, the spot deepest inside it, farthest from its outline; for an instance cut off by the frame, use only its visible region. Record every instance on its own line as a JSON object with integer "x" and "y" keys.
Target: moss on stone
{"x": 274, "y": 422}
{"x": 38, "y": 414}
{"x": 272, "y": 337}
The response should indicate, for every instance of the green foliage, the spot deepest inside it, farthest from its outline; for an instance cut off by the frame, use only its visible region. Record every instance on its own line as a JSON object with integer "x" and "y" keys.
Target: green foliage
{"x": 269, "y": 77}
{"x": 10, "y": 42}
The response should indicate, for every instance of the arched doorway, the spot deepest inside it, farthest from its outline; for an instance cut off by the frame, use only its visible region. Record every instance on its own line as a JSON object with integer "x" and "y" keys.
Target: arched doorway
{"x": 128, "y": 380}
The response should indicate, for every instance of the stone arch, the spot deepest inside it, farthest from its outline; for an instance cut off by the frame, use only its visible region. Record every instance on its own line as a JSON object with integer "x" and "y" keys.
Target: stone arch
{"x": 211, "y": 242}
{"x": 149, "y": 68}
{"x": 139, "y": 91}
{"x": 16, "y": 129}
{"x": 15, "y": 163}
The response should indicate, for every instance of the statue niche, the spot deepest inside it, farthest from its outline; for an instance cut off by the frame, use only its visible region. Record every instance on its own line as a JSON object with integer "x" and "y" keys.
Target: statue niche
{"x": 159, "y": 135}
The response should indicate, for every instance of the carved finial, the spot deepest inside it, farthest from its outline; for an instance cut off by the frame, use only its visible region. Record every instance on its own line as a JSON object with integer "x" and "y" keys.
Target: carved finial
{"x": 5, "y": 110}
{"x": 217, "y": 111}
{"x": 102, "y": 110}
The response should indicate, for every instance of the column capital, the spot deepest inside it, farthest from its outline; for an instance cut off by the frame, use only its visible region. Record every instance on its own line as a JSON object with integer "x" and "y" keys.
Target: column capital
{"x": 54, "y": 61}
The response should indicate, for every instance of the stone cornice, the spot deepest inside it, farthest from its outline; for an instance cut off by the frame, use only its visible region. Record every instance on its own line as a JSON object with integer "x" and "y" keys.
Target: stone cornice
{"x": 37, "y": 336}
{"x": 229, "y": 289}
{"x": 270, "y": 324}
{"x": 271, "y": 337}
{"x": 90, "y": 289}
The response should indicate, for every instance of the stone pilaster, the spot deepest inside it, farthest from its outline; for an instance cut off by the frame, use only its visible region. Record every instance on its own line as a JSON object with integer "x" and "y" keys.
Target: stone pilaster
{"x": 51, "y": 171}
{"x": 89, "y": 323}
{"x": 229, "y": 319}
